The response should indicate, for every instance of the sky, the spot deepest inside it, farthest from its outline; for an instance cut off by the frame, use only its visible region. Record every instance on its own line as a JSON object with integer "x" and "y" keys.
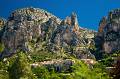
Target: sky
{"x": 89, "y": 12}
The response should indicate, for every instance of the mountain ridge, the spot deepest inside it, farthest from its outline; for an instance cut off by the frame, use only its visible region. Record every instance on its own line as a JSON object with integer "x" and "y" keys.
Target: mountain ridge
{"x": 37, "y": 41}
{"x": 38, "y": 24}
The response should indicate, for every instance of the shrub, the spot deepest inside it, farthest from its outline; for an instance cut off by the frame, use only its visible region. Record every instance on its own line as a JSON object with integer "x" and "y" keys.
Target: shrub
{"x": 1, "y": 47}
{"x": 41, "y": 72}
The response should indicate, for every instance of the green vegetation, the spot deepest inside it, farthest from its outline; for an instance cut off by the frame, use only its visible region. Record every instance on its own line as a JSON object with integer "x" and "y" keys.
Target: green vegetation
{"x": 1, "y": 47}
{"x": 79, "y": 71}
{"x": 21, "y": 68}
{"x": 4, "y": 74}
{"x": 18, "y": 67}
{"x": 82, "y": 71}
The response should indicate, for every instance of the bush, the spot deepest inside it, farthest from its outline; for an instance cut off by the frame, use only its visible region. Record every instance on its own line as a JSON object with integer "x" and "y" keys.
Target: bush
{"x": 1, "y": 47}
{"x": 41, "y": 72}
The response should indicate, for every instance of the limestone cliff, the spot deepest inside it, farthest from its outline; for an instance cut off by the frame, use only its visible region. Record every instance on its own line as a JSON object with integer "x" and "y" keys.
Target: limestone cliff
{"x": 36, "y": 25}
{"x": 110, "y": 32}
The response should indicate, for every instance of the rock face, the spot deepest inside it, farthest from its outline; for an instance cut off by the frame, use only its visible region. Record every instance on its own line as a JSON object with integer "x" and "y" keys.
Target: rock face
{"x": 109, "y": 32}
{"x": 102, "y": 24}
{"x": 22, "y": 26}
{"x": 36, "y": 25}
{"x": 66, "y": 32}
{"x": 2, "y": 24}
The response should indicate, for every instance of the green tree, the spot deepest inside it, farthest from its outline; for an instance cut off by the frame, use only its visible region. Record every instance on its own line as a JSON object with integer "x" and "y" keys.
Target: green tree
{"x": 21, "y": 68}
{"x": 82, "y": 71}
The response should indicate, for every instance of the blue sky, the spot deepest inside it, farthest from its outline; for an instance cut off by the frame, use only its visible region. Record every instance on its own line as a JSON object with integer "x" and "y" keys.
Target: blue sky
{"x": 89, "y": 11}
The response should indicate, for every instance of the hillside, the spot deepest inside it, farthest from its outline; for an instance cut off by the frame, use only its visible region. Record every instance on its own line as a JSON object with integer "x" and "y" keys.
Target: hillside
{"x": 36, "y": 41}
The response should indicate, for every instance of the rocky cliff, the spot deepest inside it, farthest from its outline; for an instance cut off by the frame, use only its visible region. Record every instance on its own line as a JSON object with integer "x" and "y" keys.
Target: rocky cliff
{"x": 31, "y": 28}
{"x": 109, "y": 32}
{"x": 28, "y": 28}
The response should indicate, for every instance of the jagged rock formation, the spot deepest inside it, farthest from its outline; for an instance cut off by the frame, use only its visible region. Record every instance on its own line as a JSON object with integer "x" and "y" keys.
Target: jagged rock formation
{"x": 36, "y": 25}
{"x": 102, "y": 24}
{"x": 110, "y": 32}
{"x": 66, "y": 32}
{"x": 22, "y": 26}
{"x": 2, "y": 22}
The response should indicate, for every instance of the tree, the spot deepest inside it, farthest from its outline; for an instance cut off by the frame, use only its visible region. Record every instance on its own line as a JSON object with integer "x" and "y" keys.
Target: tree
{"x": 82, "y": 71}
{"x": 21, "y": 68}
